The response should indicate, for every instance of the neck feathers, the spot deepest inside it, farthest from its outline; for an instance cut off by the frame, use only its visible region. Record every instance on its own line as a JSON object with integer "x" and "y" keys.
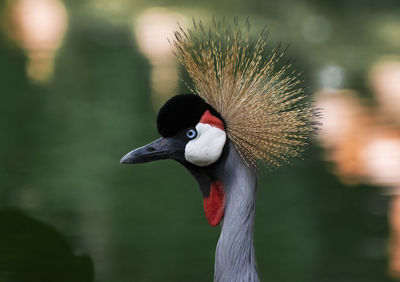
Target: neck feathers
{"x": 234, "y": 258}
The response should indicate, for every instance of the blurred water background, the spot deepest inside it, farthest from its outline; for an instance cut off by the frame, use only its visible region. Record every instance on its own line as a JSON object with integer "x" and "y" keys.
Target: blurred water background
{"x": 81, "y": 83}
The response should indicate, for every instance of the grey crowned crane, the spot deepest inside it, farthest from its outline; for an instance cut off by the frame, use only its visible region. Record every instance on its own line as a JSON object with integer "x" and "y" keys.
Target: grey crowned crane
{"x": 245, "y": 109}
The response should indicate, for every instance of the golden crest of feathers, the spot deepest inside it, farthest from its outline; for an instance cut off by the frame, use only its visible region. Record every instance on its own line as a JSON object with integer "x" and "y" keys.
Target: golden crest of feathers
{"x": 267, "y": 114}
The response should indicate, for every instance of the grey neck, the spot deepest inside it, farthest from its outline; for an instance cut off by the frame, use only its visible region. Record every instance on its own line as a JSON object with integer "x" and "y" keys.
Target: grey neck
{"x": 234, "y": 257}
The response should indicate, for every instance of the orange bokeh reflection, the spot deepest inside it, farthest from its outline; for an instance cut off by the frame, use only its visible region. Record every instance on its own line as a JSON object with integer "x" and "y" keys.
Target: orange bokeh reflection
{"x": 345, "y": 124}
{"x": 384, "y": 79}
{"x": 152, "y": 29}
{"x": 38, "y": 27}
{"x": 363, "y": 142}
{"x": 394, "y": 242}
{"x": 380, "y": 158}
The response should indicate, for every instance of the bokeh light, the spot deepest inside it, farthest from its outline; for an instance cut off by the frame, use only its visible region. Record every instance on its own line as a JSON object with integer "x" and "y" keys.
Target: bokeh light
{"x": 37, "y": 26}
{"x": 152, "y": 29}
{"x": 384, "y": 79}
{"x": 363, "y": 143}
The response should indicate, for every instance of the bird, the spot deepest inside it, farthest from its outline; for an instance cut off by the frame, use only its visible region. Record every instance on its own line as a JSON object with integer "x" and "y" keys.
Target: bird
{"x": 244, "y": 109}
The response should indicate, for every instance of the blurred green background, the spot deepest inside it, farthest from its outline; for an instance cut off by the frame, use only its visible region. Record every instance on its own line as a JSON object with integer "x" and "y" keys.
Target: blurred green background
{"x": 81, "y": 82}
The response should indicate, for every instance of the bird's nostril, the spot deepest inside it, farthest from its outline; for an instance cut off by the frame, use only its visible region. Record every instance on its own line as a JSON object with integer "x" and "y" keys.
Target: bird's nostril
{"x": 151, "y": 149}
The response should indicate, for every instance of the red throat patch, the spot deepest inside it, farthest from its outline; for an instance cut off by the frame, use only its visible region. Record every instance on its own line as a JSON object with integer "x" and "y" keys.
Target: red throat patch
{"x": 212, "y": 120}
{"x": 214, "y": 205}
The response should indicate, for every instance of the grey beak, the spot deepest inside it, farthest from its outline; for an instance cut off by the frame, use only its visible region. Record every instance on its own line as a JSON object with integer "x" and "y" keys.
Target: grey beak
{"x": 162, "y": 148}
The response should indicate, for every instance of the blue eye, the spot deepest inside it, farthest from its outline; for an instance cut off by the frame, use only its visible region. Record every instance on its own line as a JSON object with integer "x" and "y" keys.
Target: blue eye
{"x": 191, "y": 133}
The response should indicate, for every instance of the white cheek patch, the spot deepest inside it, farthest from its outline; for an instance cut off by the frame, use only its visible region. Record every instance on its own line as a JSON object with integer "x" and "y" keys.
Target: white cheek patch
{"x": 207, "y": 147}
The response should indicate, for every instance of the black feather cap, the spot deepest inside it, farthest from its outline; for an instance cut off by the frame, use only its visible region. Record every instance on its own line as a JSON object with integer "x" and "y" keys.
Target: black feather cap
{"x": 182, "y": 112}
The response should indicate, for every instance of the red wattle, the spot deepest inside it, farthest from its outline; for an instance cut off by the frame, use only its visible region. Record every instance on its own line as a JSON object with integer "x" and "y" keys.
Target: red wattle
{"x": 208, "y": 118}
{"x": 214, "y": 205}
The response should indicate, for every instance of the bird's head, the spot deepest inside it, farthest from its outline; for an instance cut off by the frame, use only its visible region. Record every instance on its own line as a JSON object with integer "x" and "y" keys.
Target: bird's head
{"x": 244, "y": 99}
{"x": 193, "y": 133}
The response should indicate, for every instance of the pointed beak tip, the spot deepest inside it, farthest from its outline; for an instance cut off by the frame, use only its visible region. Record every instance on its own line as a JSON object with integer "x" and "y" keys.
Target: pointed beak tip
{"x": 159, "y": 149}
{"x": 126, "y": 159}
